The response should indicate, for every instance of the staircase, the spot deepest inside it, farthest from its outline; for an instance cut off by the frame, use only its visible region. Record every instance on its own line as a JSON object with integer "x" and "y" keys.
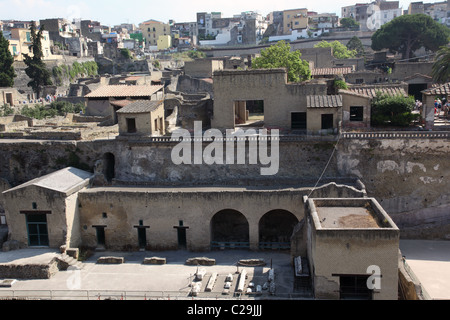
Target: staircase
{"x": 69, "y": 263}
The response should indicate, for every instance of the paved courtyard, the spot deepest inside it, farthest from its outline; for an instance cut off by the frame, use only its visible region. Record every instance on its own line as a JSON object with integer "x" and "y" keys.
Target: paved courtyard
{"x": 135, "y": 280}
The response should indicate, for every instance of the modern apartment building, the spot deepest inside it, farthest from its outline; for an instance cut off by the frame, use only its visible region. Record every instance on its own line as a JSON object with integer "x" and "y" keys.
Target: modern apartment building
{"x": 152, "y": 30}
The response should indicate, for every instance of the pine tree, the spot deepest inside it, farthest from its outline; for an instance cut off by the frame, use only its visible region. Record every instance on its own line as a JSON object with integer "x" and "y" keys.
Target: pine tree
{"x": 37, "y": 71}
{"x": 7, "y": 73}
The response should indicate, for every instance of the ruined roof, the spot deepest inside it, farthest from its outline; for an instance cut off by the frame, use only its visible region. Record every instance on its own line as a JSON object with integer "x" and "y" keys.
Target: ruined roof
{"x": 443, "y": 89}
{"x": 331, "y": 71}
{"x": 141, "y": 106}
{"x": 371, "y": 91}
{"x": 67, "y": 181}
{"x": 124, "y": 91}
{"x": 324, "y": 101}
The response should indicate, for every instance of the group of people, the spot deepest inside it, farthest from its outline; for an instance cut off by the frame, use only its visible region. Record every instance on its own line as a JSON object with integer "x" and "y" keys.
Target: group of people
{"x": 441, "y": 105}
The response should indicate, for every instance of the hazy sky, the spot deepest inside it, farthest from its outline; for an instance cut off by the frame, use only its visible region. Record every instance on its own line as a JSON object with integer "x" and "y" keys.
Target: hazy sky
{"x": 114, "y": 12}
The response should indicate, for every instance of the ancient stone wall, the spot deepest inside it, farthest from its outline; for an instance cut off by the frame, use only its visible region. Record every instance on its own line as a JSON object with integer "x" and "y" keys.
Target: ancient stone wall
{"x": 408, "y": 176}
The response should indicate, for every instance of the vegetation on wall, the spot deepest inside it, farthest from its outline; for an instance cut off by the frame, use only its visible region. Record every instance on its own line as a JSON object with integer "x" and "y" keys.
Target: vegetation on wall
{"x": 340, "y": 51}
{"x": 60, "y": 108}
{"x": 6, "y": 110}
{"x": 86, "y": 69}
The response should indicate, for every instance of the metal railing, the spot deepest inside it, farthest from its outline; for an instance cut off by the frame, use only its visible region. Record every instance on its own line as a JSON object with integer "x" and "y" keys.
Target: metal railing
{"x": 397, "y": 135}
{"x": 93, "y": 295}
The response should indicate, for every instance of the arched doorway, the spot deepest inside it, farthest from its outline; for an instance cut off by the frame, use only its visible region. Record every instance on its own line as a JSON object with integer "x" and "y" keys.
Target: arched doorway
{"x": 229, "y": 230}
{"x": 275, "y": 229}
{"x": 109, "y": 162}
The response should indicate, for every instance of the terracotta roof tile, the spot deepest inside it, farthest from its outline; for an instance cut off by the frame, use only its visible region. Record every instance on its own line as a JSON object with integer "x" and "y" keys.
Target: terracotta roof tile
{"x": 124, "y": 91}
{"x": 443, "y": 89}
{"x": 371, "y": 91}
{"x": 329, "y": 101}
{"x": 331, "y": 71}
{"x": 141, "y": 106}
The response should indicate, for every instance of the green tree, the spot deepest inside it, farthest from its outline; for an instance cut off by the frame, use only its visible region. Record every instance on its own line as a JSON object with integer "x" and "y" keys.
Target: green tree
{"x": 441, "y": 66}
{"x": 408, "y": 33}
{"x": 126, "y": 53}
{"x": 349, "y": 23}
{"x": 7, "y": 73}
{"x": 392, "y": 110}
{"x": 281, "y": 56}
{"x": 355, "y": 44}
{"x": 36, "y": 69}
{"x": 340, "y": 51}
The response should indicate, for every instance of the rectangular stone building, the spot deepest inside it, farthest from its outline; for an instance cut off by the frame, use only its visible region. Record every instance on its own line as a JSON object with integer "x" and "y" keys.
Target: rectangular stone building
{"x": 100, "y": 102}
{"x": 353, "y": 248}
{"x": 283, "y": 104}
{"x": 142, "y": 117}
{"x": 44, "y": 212}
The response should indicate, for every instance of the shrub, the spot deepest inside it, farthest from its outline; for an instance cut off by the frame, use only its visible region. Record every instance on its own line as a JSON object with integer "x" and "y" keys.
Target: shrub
{"x": 392, "y": 110}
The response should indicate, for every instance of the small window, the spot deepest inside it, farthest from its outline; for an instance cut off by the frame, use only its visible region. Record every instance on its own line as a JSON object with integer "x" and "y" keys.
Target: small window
{"x": 356, "y": 113}
{"x": 104, "y": 215}
{"x": 34, "y": 205}
{"x": 131, "y": 125}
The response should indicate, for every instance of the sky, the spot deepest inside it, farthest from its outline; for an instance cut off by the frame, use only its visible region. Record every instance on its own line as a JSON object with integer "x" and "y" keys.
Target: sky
{"x": 115, "y": 12}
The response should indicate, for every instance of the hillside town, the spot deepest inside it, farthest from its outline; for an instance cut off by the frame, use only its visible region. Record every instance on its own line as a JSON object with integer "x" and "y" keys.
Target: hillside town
{"x": 292, "y": 154}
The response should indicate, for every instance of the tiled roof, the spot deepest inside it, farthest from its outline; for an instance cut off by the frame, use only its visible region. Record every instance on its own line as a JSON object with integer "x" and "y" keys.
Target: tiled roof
{"x": 151, "y": 21}
{"x": 329, "y": 101}
{"x": 121, "y": 103}
{"x": 331, "y": 71}
{"x": 439, "y": 90}
{"x": 371, "y": 91}
{"x": 141, "y": 106}
{"x": 124, "y": 91}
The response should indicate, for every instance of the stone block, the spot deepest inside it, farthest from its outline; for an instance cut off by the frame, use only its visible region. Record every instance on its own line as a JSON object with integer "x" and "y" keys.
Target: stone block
{"x": 202, "y": 261}
{"x": 154, "y": 260}
{"x": 111, "y": 260}
{"x": 73, "y": 252}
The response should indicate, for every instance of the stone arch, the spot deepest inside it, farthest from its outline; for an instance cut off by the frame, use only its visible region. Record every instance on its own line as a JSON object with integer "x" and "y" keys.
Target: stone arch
{"x": 276, "y": 228}
{"x": 229, "y": 228}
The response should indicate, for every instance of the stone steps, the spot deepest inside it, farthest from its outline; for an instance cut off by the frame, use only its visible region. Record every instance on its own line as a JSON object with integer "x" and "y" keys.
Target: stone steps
{"x": 71, "y": 261}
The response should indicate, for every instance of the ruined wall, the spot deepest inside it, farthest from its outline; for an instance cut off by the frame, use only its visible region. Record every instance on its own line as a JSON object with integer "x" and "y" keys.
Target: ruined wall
{"x": 162, "y": 208}
{"x": 202, "y": 68}
{"x": 408, "y": 176}
{"x": 280, "y": 97}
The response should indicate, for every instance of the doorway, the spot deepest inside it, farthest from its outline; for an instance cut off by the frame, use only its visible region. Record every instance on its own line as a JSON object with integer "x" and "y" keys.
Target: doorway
{"x": 100, "y": 233}
{"x": 298, "y": 120}
{"x": 37, "y": 230}
{"x": 327, "y": 121}
{"x": 142, "y": 238}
